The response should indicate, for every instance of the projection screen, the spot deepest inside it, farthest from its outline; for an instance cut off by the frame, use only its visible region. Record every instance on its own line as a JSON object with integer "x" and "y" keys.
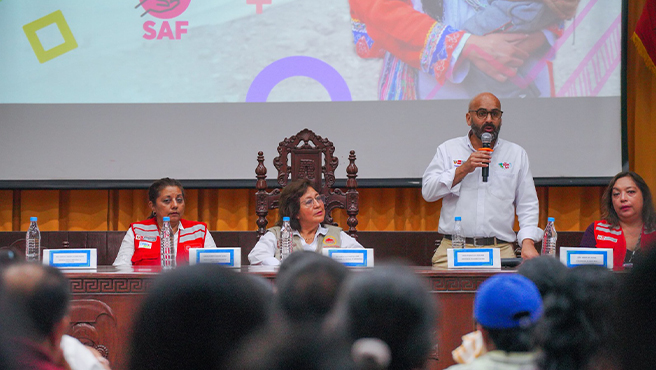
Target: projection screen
{"x": 193, "y": 89}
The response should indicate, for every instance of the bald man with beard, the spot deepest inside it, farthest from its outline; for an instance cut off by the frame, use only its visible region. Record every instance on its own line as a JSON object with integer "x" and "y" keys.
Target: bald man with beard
{"x": 487, "y": 208}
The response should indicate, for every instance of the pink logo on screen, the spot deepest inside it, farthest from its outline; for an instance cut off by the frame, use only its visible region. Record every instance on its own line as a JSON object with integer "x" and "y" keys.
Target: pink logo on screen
{"x": 164, "y": 9}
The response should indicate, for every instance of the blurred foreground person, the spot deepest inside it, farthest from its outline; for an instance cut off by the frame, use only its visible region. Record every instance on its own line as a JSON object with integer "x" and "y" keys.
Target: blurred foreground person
{"x": 195, "y": 317}
{"x": 635, "y": 342}
{"x": 576, "y": 331}
{"x": 391, "y": 304}
{"x": 37, "y": 299}
{"x": 506, "y": 308}
{"x": 547, "y": 273}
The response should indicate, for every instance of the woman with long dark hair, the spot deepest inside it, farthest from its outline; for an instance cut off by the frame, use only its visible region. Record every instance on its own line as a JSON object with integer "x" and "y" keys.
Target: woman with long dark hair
{"x": 628, "y": 222}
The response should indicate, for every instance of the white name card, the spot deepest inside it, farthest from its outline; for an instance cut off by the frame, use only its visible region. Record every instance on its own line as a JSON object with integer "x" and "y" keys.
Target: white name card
{"x": 571, "y": 256}
{"x": 230, "y": 257}
{"x": 356, "y": 257}
{"x": 473, "y": 258}
{"x": 71, "y": 258}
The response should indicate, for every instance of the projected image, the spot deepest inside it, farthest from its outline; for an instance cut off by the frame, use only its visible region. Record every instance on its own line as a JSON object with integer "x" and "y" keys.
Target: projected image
{"x": 187, "y": 51}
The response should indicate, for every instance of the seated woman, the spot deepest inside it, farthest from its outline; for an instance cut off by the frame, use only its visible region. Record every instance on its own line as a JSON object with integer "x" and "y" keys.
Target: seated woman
{"x": 141, "y": 246}
{"x": 305, "y": 208}
{"x": 629, "y": 219}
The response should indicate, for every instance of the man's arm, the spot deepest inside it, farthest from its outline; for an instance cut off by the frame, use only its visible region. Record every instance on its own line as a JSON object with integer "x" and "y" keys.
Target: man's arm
{"x": 439, "y": 179}
{"x": 528, "y": 210}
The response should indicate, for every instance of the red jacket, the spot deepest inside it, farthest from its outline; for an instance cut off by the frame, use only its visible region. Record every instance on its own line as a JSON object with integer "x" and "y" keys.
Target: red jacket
{"x": 607, "y": 237}
{"x": 147, "y": 246}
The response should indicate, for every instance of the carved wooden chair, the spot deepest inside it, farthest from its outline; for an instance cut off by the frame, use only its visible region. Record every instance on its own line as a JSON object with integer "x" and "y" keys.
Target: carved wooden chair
{"x": 308, "y": 151}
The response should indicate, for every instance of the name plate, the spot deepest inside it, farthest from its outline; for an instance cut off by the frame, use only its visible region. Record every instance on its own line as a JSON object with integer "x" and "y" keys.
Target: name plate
{"x": 230, "y": 257}
{"x": 571, "y": 256}
{"x": 71, "y": 258}
{"x": 473, "y": 258}
{"x": 356, "y": 257}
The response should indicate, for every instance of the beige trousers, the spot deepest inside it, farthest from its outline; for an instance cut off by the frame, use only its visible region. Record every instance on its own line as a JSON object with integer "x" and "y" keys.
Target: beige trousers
{"x": 440, "y": 260}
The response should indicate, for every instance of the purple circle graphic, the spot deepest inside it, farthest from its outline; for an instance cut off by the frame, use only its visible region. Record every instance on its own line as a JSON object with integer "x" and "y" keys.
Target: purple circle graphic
{"x": 284, "y": 68}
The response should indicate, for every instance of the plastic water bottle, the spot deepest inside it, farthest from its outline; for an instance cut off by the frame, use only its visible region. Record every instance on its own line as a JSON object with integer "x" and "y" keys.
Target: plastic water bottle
{"x": 286, "y": 246}
{"x": 166, "y": 244}
{"x": 458, "y": 237}
{"x": 549, "y": 238}
{"x": 33, "y": 242}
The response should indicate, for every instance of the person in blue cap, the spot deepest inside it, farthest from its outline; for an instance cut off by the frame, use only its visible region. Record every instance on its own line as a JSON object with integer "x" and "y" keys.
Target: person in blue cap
{"x": 506, "y": 309}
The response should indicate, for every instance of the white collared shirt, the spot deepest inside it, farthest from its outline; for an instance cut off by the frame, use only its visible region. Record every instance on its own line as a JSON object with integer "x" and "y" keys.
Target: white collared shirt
{"x": 125, "y": 253}
{"x": 487, "y": 208}
{"x": 264, "y": 251}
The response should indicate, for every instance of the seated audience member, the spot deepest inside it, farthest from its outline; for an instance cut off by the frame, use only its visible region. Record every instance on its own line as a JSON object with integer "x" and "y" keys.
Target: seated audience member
{"x": 141, "y": 246}
{"x": 392, "y": 304}
{"x": 195, "y": 317}
{"x": 307, "y": 286}
{"x": 38, "y": 296}
{"x": 547, "y": 273}
{"x": 506, "y": 309}
{"x": 635, "y": 343}
{"x": 305, "y": 207}
{"x": 576, "y": 329}
{"x": 629, "y": 220}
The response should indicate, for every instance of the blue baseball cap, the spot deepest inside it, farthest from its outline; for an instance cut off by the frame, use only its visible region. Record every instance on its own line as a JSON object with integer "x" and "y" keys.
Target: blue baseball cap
{"x": 507, "y": 301}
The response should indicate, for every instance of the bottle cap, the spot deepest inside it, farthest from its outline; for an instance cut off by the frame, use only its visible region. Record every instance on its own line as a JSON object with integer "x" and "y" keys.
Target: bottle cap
{"x": 551, "y": 219}
{"x": 166, "y": 219}
{"x": 32, "y": 219}
{"x": 458, "y": 218}
{"x": 285, "y": 219}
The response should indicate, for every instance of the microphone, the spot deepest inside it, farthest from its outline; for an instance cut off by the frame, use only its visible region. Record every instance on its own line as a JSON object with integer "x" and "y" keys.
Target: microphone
{"x": 486, "y": 138}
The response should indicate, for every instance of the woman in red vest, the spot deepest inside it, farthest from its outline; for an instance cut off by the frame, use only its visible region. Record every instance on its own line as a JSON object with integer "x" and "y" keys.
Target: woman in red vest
{"x": 141, "y": 246}
{"x": 629, "y": 219}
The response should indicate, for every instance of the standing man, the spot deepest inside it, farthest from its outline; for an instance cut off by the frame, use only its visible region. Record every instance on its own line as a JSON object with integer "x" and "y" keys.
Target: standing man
{"x": 487, "y": 208}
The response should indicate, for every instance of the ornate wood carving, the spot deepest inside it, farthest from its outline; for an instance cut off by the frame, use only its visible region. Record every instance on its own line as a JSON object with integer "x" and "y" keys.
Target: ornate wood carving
{"x": 307, "y": 151}
{"x": 90, "y": 284}
{"x": 94, "y": 324}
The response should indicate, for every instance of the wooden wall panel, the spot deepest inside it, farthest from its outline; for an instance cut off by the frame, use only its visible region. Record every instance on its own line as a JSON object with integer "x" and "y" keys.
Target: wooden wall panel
{"x": 6, "y": 209}
{"x": 384, "y": 209}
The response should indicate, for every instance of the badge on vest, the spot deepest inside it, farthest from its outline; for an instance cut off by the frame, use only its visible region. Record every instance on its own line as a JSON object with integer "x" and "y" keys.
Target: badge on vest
{"x": 145, "y": 245}
{"x": 329, "y": 241}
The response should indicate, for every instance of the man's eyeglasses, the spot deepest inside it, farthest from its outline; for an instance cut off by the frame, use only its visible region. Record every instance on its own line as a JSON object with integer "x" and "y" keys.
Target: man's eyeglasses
{"x": 308, "y": 203}
{"x": 482, "y": 113}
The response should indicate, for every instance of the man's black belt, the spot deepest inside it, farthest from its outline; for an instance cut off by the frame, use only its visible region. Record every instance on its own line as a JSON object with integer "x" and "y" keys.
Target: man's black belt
{"x": 480, "y": 241}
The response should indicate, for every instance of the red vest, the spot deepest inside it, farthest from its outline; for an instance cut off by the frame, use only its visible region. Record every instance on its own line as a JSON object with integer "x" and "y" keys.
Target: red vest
{"x": 605, "y": 237}
{"x": 147, "y": 247}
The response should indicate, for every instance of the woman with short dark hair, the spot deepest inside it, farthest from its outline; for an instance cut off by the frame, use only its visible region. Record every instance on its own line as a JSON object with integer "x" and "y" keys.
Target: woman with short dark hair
{"x": 306, "y": 210}
{"x": 141, "y": 244}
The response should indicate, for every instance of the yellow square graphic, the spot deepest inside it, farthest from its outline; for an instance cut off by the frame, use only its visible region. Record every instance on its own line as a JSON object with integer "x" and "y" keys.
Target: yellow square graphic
{"x": 58, "y": 19}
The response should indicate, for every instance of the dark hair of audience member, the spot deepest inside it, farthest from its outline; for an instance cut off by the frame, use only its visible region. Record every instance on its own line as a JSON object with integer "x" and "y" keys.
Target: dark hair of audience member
{"x": 393, "y": 304}
{"x": 576, "y": 329}
{"x": 635, "y": 343}
{"x": 608, "y": 212}
{"x": 546, "y": 272}
{"x": 290, "y": 202}
{"x": 284, "y": 346}
{"x": 307, "y": 286}
{"x": 194, "y": 318}
{"x": 159, "y": 185}
{"x": 43, "y": 300}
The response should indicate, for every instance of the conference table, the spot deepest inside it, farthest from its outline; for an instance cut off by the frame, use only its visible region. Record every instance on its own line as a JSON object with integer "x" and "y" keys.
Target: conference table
{"x": 105, "y": 301}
